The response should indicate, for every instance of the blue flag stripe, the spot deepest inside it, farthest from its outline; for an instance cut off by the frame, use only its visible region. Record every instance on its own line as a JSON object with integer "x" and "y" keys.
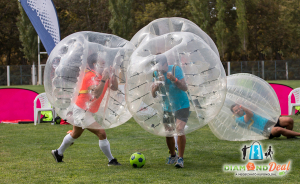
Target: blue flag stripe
{"x": 43, "y": 16}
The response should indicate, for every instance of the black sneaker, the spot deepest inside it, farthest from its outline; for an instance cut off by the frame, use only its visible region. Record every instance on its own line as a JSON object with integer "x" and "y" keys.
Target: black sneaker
{"x": 56, "y": 156}
{"x": 113, "y": 162}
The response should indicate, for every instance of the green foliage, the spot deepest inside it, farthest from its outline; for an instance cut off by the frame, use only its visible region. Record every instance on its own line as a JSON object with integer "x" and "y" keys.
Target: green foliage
{"x": 221, "y": 29}
{"x": 9, "y": 35}
{"x": 28, "y": 36}
{"x": 121, "y": 22}
{"x": 258, "y": 29}
{"x": 242, "y": 27}
{"x": 80, "y": 15}
{"x": 264, "y": 28}
{"x": 153, "y": 10}
{"x": 289, "y": 17}
{"x": 200, "y": 13}
{"x": 147, "y": 11}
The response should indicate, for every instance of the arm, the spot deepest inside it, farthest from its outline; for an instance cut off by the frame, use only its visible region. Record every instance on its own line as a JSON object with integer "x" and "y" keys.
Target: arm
{"x": 181, "y": 84}
{"x": 248, "y": 114}
{"x": 155, "y": 86}
{"x": 114, "y": 81}
{"x": 99, "y": 89}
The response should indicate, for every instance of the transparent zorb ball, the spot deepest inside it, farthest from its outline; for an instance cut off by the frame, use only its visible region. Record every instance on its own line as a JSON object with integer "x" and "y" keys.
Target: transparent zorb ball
{"x": 191, "y": 60}
{"x": 250, "y": 111}
{"x": 73, "y": 74}
{"x": 171, "y": 24}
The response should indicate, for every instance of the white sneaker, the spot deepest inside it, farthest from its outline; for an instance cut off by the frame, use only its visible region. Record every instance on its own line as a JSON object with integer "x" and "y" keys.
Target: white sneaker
{"x": 179, "y": 163}
{"x": 172, "y": 160}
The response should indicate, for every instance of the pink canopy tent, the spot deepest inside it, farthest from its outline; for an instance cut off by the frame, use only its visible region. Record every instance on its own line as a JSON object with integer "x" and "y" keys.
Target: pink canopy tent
{"x": 17, "y": 104}
{"x": 283, "y": 92}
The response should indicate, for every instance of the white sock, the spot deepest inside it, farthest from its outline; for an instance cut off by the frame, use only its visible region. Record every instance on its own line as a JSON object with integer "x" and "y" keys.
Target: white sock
{"x": 105, "y": 147}
{"x": 68, "y": 140}
{"x": 176, "y": 145}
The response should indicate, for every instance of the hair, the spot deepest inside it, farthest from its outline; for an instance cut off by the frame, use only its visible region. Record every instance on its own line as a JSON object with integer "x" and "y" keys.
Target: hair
{"x": 161, "y": 59}
{"x": 92, "y": 59}
{"x": 231, "y": 108}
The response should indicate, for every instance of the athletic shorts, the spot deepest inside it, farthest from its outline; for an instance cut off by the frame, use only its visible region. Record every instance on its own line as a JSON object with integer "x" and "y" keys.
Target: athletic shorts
{"x": 277, "y": 125}
{"x": 181, "y": 114}
{"x": 82, "y": 118}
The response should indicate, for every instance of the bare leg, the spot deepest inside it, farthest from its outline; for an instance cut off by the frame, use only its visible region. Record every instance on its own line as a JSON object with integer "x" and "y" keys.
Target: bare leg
{"x": 181, "y": 145}
{"x": 100, "y": 133}
{"x": 171, "y": 144}
{"x": 286, "y": 122}
{"x": 285, "y": 132}
{"x": 69, "y": 139}
{"x": 181, "y": 137}
{"x": 103, "y": 142}
{"x": 77, "y": 131}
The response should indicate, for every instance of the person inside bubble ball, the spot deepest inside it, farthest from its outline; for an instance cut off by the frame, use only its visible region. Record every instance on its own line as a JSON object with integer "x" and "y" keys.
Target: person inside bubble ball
{"x": 284, "y": 125}
{"x": 94, "y": 86}
{"x": 169, "y": 80}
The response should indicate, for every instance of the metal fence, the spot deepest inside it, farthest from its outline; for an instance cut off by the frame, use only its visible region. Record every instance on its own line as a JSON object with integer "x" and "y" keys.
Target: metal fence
{"x": 268, "y": 70}
{"x": 3, "y": 75}
{"x": 18, "y": 75}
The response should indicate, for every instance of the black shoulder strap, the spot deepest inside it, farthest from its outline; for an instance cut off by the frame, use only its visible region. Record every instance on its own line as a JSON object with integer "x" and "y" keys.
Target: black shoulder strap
{"x": 173, "y": 70}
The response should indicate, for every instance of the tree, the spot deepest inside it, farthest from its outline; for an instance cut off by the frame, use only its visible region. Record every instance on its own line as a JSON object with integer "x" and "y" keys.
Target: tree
{"x": 265, "y": 35}
{"x": 289, "y": 17}
{"x": 242, "y": 27}
{"x": 221, "y": 29}
{"x": 78, "y": 15}
{"x": 121, "y": 21}
{"x": 9, "y": 34}
{"x": 147, "y": 11}
{"x": 27, "y": 36}
{"x": 200, "y": 13}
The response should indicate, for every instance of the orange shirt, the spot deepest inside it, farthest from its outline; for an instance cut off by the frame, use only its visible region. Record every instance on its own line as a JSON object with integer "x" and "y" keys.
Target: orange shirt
{"x": 85, "y": 99}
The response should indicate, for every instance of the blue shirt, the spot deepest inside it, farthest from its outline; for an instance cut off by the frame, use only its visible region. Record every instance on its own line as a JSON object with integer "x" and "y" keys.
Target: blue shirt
{"x": 259, "y": 122}
{"x": 177, "y": 98}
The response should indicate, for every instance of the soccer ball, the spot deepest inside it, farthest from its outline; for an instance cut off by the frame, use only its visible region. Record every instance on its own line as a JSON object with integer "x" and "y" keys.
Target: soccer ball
{"x": 137, "y": 160}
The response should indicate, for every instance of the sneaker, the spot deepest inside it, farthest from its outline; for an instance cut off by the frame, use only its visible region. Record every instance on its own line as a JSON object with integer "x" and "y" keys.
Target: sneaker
{"x": 179, "y": 163}
{"x": 113, "y": 162}
{"x": 56, "y": 156}
{"x": 172, "y": 160}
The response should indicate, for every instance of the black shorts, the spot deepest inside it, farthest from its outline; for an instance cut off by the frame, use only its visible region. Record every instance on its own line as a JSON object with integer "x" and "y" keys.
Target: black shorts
{"x": 181, "y": 114}
{"x": 277, "y": 125}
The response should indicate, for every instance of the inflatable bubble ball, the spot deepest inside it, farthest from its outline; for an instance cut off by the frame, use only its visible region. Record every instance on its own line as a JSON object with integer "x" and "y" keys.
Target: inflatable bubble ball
{"x": 172, "y": 24}
{"x": 85, "y": 77}
{"x": 137, "y": 160}
{"x": 250, "y": 111}
{"x": 173, "y": 79}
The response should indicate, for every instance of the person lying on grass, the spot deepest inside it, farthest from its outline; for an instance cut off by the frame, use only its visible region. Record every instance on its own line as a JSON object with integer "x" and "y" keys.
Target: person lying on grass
{"x": 284, "y": 125}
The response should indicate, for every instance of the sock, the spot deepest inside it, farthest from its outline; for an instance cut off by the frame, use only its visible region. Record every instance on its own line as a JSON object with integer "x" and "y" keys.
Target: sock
{"x": 68, "y": 140}
{"x": 176, "y": 145}
{"x": 105, "y": 148}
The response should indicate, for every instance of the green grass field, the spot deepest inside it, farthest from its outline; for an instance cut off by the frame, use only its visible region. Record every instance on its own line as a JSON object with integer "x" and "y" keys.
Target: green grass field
{"x": 25, "y": 156}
